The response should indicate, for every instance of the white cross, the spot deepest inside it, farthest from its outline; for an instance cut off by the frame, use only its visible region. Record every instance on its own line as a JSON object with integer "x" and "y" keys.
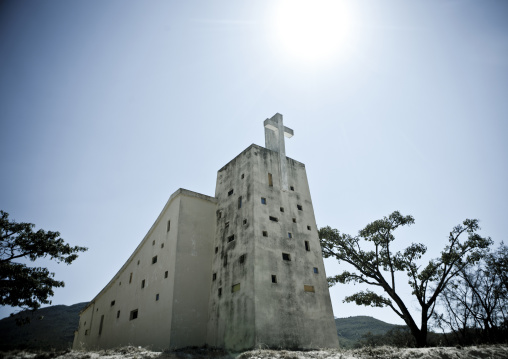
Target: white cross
{"x": 274, "y": 140}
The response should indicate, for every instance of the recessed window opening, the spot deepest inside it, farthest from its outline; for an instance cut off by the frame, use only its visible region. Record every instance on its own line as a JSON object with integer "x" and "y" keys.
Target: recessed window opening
{"x": 244, "y": 221}
{"x": 166, "y": 274}
{"x": 290, "y": 235}
{"x": 130, "y": 278}
{"x": 230, "y": 192}
{"x": 138, "y": 261}
{"x": 143, "y": 283}
{"x": 231, "y": 238}
{"x": 225, "y": 260}
{"x": 282, "y": 209}
{"x": 214, "y": 276}
{"x": 133, "y": 315}
{"x": 120, "y": 283}
{"x": 274, "y": 219}
{"x": 292, "y": 188}
{"x": 220, "y": 292}
{"x": 274, "y": 278}
{"x": 86, "y": 331}
{"x": 157, "y": 297}
{"x": 100, "y": 325}
{"x": 219, "y": 215}
{"x": 226, "y": 225}
{"x": 299, "y": 206}
{"x": 112, "y": 303}
{"x": 308, "y": 288}
{"x": 242, "y": 259}
{"x": 307, "y": 246}
{"x": 316, "y": 270}
{"x": 162, "y": 245}
{"x": 243, "y": 175}
{"x": 265, "y": 234}
{"x": 286, "y": 256}
{"x": 308, "y": 227}
{"x": 294, "y": 220}
{"x": 235, "y": 288}
{"x": 270, "y": 181}
{"x": 216, "y": 249}
{"x": 153, "y": 243}
{"x": 263, "y": 200}
{"x": 239, "y": 202}
{"x": 117, "y": 314}
{"x": 168, "y": 226}
{"x": 154, "y": 260}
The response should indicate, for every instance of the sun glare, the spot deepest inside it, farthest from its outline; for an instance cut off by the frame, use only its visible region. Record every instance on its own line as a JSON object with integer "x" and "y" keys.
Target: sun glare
{"x": 311, "y": 31}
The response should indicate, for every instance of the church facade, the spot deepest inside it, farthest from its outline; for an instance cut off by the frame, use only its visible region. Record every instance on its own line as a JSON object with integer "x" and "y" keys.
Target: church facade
{"x": 237, "y": 271}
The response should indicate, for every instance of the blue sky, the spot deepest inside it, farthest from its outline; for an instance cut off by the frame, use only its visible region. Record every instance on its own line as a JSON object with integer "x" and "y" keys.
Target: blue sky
{"x": 106, "y": 108}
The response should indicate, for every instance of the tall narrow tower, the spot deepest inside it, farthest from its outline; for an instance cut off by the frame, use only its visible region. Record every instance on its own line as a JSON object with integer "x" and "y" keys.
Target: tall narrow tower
{"x": 269, "y": 286}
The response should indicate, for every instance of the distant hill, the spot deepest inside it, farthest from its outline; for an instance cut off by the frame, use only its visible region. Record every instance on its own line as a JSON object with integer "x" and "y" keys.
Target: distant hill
{"x": 54, "y": 331}
{"x": 350, "y": 330}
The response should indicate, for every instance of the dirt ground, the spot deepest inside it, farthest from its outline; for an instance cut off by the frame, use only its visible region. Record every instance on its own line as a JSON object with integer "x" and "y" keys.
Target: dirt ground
{"x": 474, "y": 352}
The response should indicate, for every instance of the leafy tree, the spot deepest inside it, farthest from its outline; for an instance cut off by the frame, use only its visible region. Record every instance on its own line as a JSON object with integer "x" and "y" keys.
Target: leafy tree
{"x": 23, "y": 286}
{"x": 375, "y": 264}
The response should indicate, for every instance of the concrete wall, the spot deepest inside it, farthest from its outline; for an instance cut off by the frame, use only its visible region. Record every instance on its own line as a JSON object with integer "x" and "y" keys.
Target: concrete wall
{"x": 263, "y": 313}
{"x": 189, "y": 236}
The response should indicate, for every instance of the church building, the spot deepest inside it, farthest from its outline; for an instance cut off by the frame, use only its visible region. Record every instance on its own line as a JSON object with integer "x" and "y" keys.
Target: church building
{"x": 239, "y": 270}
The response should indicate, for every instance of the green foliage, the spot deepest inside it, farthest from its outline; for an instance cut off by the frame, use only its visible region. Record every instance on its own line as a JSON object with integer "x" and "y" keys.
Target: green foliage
{"x": 21, "y": 285}
{"x": 375, "y": 264}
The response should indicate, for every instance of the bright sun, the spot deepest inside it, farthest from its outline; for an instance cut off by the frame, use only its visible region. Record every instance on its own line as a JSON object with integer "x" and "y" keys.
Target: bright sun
{"x": 311, "y": 31}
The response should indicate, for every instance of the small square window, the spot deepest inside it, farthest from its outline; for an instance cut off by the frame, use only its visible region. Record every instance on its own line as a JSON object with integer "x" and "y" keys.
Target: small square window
{"x": 286, "y": 256}
{"x": 231, "y": 238}
{"x": 235, "y": 288}
{"x": 308, "y": 227}
{"x": 244, "y": 221}
{"x": 157, "y": 297}
{"x": 134, "y": 314}
{"x": 290, "y": 235}
{"x": 307, "y": 246}
{"x": 274, "y": 219}
{"x": 162, "y": 245}
{"x": 242, "y": 259}
{"x": 274, "y": 278}
{"x": 230, "y": 192}
{"x": 154, "y": 260}
{"x": 294, "y": 220}
{"x": 216, "y": 249}
{"x": 243, "y": 176}
{"x": 282, "y": 209}
{"x": 214, "y": 276}
{"x": 112, "y": 303}
{"x": 299, "y": 206}
{"x": 308, "y": 288}
{"x": 117, "y": 314}
{"x": 292, "y": 188}
{"x": 263, "y": 200}
{"x": 169, "y": 226}
{"x": 166, "y": 274}
{"x": 143, "y": 283}
{"x": 316, "y": 270}
{"x": 220, "y": 292}
{"x": 265, "y": 234}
